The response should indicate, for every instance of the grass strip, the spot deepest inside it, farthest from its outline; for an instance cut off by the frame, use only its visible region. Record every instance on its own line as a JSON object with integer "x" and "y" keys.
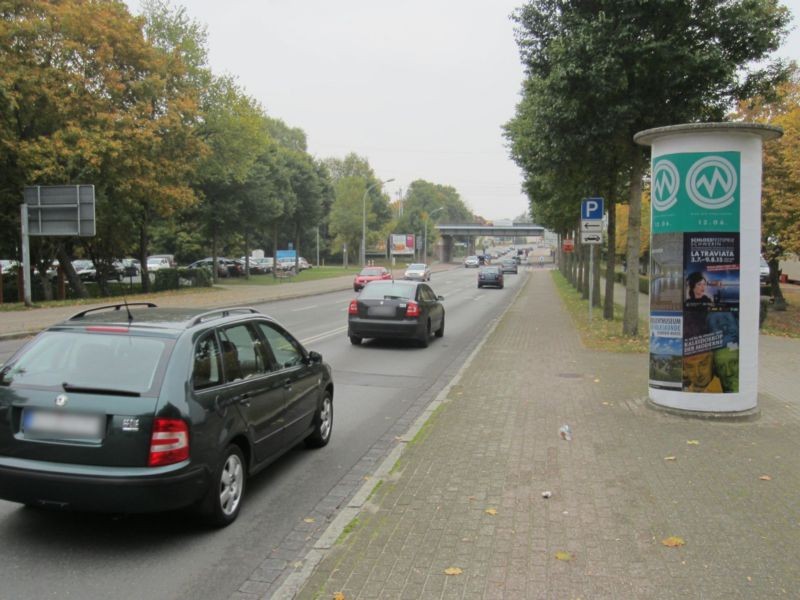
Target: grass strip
{"x": 599, "y": 334}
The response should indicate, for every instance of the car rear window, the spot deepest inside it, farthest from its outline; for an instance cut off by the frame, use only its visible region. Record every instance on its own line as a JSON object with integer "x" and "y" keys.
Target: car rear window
{"x": 125, "y": 363}
{"x": 377, "y": 290}
{"x": 371, "y": 271}
{"x": 416, "y": 267}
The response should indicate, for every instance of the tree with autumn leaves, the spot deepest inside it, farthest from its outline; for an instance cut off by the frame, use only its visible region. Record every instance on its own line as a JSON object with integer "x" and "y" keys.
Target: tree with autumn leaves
{"x": 91, "y": 94}
{"x": 780, "y": 187}
{"x": 85, "y": 98}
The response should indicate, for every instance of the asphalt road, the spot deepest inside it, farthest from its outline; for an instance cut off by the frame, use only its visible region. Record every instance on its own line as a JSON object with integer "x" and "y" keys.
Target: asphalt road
{"x": 381, "y": 387}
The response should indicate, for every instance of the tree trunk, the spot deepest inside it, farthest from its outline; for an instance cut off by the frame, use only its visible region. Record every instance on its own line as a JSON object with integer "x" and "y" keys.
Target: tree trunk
{"x": 69, "y": 270}
{"x": 596, "y": 279}
{"x": 246, "y": 256}
{"x": 611, "y": 262}
{"x": 144, "y": 242}
{"x": 275, "y": 250}
{"x": 778, "y": 301}
{"x": 297, "y": 249}
{"x": 214, "y": 267}
{"x": 584, "y": 275}
{"x": 630, "y": 322}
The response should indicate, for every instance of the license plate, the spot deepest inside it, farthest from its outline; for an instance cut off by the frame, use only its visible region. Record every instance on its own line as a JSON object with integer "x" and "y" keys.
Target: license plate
{"x": 44, "y": 423}
{"x": 382, "y": 311}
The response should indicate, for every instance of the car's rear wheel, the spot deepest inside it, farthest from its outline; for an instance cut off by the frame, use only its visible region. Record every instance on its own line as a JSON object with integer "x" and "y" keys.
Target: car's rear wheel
{"x": 224, "y": 498}
{"x": 425, "y": 340}
{"x": 440, "y": 332}
{"x": 323, "y": 423}
{"x": 355, "y": 340}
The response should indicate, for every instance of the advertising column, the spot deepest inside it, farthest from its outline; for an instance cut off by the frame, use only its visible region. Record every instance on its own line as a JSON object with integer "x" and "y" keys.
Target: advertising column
{"x": 704, "y": 246}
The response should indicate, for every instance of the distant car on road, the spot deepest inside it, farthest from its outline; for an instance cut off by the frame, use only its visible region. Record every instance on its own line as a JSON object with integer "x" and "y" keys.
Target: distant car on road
{"x": 133, "y": 408}
{"x": 418, "y": 271}
{"x": 368, "y": 274}
{"x": 509, "y": 265}
{"x": 490, "y": 275}
{"x": 471, "y": 261}
{"x": 396, "y": 309}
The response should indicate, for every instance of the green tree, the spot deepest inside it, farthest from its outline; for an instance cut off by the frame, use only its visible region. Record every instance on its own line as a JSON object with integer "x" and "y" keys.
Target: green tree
{"x": 597, "y": 72}
{"x": 346, "y": 215}
{"x": 233, "y": 127}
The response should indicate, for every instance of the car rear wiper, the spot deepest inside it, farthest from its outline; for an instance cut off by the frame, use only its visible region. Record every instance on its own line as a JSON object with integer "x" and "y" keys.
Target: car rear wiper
{"x": 93, "y": 390}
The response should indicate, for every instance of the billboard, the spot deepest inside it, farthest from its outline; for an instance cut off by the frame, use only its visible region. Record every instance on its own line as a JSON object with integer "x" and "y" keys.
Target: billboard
{"x": 402, "y": 244}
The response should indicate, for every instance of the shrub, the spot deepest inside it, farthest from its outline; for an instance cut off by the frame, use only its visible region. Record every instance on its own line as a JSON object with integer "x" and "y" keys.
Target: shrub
{"x": 166, "y": 279}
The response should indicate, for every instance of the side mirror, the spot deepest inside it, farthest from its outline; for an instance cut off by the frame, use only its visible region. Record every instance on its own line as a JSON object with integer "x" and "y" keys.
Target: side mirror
{"x": 440, "y": 297}
{"x": 314, "y": 357}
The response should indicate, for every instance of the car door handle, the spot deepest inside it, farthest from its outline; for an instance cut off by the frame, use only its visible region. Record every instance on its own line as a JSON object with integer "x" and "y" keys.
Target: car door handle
{"x": 287, "y": 384}
{"x": 244, "y": 399}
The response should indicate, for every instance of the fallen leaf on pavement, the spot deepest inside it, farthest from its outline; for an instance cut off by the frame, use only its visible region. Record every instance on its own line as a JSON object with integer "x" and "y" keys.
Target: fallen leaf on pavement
{"x": 765, "y": 478}
{"x": 491, "y": 511}
{"x": 563, "y": 555}
{"x": 309, "y": 520}
{"x": 597, "y": 381}
{"x": 693, "y": 442}
{"x": 673, "y": 542}
{"x": 339, "y": 596}
{"x": 453, "y": 571}
{"x": 669, "y": 458}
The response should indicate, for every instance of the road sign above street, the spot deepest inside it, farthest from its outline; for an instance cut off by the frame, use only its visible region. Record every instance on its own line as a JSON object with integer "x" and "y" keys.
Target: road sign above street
{"x": 592, "y": 209}
{"x": 591, "y": 238}
{"x": 587, "y": 226}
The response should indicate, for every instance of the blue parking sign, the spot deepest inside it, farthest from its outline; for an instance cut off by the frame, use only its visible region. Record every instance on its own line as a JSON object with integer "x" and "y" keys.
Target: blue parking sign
{"x": 592, "y": 209}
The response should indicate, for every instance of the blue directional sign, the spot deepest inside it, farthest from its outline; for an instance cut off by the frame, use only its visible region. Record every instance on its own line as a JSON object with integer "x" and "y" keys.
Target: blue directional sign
{"x": 592, "y": 209}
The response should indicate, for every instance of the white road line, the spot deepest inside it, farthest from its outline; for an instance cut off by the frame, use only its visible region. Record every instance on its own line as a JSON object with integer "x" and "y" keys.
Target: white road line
{"x": 321, "y": 336}
{"x": 304, "y": 308}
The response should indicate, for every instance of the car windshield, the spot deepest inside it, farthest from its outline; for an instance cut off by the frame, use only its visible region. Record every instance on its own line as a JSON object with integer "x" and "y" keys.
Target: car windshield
{"x": 123, "y": 363}
{"x": 371, "y": 271}
{"x": 416, "y": 267}
{"x": 380, "y": 290}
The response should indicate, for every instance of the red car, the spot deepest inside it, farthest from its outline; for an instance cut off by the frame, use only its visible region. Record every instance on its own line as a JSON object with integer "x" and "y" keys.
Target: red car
{"x": 370, "y": 274}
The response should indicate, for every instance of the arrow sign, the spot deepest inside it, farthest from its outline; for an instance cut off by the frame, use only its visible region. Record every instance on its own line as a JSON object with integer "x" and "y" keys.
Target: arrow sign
{"x": 591, "y": 226}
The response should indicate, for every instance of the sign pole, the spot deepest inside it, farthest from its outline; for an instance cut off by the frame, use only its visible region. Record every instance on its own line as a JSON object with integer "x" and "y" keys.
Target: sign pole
{"x": 26, "y": 254}
{"x": 591, "y": 279}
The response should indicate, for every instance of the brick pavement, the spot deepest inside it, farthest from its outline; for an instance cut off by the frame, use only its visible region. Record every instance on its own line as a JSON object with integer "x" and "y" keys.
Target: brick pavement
{"x": 493, "y": 445}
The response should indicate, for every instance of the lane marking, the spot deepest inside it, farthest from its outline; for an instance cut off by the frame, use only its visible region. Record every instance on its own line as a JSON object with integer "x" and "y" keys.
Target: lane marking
{"x": 304, "y": 308}
{"x": 316, "y": 338}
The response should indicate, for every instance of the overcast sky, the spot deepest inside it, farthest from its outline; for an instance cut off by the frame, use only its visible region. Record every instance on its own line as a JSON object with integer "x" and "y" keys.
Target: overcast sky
{"x": 420, "y": 88}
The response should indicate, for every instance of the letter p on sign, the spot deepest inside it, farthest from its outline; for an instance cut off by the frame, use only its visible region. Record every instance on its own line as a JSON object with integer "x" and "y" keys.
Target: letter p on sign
{"x": 592, "y": 209}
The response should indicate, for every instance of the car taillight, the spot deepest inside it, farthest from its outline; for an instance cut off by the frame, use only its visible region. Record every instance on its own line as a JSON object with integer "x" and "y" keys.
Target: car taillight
{"x": 169, "y": 442}
{"x": 353, "y": 308}
{"x": 412, "y": 310}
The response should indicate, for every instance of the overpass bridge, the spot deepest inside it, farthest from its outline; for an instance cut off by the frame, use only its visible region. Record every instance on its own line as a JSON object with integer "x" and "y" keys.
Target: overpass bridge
{"x": 468, "y": 232}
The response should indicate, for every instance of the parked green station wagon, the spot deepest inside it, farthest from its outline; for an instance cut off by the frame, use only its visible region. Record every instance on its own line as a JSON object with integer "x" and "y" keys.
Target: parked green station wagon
{"x": 132, "y": 408}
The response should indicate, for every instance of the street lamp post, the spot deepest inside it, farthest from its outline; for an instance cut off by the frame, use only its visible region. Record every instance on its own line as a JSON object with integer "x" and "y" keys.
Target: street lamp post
{"x": 425, "y": 234}
{"x": 364, "y": 220}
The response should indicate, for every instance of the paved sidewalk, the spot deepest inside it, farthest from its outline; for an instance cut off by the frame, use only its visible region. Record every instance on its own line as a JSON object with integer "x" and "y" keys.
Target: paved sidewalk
{"x": 467, "y": 492}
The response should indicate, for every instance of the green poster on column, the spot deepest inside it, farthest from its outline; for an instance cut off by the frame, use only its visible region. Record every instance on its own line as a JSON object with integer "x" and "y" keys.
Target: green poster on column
{"x": 696, "y": 191}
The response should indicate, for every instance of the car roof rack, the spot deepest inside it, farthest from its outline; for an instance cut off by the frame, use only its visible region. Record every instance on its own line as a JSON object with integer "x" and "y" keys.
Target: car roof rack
{"x": 82, "y": 314}
{"x": 221, "y": 313}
